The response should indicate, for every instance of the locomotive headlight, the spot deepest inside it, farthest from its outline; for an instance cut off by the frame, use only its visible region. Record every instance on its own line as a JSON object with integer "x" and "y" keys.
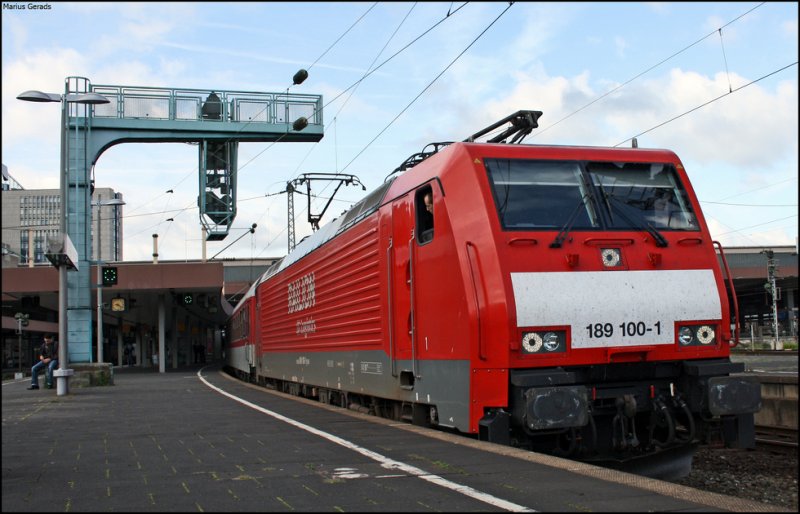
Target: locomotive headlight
{"x": 685, "y": 336}
{"x": 531, "y": 342}
{"x": 544, "y": 341}
{"x": 610, "y": 257}
{"x": 550, "y": 341}
{"x": 705, "y": 334}
{"x": 697, "y": 335}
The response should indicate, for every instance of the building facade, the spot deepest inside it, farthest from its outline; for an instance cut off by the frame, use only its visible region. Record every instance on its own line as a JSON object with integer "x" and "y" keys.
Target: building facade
{"x": 30, "y": 217}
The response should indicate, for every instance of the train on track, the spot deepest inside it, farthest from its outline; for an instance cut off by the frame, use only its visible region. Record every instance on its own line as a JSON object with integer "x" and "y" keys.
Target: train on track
{"x": 562, "y": 299}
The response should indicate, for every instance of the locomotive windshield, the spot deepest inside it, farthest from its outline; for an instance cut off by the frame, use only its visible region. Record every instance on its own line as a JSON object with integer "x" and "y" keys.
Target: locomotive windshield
{"x": 638, "y": 193}
{"x": 536, "y": 195}
{"x": 540, "y": 194}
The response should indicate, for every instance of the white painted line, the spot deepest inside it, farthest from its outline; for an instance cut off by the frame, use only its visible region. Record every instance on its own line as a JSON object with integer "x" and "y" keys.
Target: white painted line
{"x": 385, "y": 462}
{"x": 18, "y": 381}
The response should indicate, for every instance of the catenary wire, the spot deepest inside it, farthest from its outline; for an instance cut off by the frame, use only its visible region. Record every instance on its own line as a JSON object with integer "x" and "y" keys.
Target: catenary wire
{"x": 750, "y": 204}
{"x": 244, "y": 165}
{"x": 189, "y": 174}
{"x": 352, "y": 92}
{"x": 538, "y": 132}
{"x": 708, "y": 103}
{"x": 428, "y": 86}
{"x": 407, "y": 106}
{"x": 343, "y": 35}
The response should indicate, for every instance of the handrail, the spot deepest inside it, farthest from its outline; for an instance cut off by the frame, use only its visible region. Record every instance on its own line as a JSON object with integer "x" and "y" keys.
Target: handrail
{"x": 733, "y": 294}
{"x": 162, "y": 103}
{"x": 516, "y": 240}
{"x": 474, "y": 271}
{"x": 413, "y": 321}
{"x": 390, "y": 275}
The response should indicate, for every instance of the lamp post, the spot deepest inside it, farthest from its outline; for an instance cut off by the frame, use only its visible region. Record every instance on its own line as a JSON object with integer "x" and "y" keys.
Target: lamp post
{"x": 99, "y": 204}
{"x": 63, "y": 373}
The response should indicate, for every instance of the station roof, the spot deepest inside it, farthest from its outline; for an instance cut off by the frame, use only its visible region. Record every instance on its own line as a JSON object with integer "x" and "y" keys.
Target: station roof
{"x": 218, "y": 285}
{"x": 215, "y": 286}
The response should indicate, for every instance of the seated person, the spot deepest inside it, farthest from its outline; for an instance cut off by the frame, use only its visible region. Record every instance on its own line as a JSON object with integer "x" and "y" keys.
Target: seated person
{"x": 48, "y": 359}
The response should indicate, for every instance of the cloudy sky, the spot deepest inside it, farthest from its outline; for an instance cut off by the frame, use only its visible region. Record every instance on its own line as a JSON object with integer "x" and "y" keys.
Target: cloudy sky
{"x": 714, "y": 82}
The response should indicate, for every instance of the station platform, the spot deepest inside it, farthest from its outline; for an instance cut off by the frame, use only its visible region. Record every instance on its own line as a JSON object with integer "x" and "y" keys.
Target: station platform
{"x": 197, "y": 440}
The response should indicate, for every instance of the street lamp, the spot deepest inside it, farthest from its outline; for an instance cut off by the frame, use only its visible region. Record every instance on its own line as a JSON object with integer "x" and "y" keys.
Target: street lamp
{"x": 63, "y": 373}
{"x": 98, "y": 204}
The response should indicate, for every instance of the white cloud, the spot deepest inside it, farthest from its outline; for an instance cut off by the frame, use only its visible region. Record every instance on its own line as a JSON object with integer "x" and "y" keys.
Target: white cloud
{"x": 557, "y": 97}
{"x": 621, "y": 45}
{"x": 715, "y": 133}
{"x": 712, "y": 133}
{"x": 789, "y": 29}
{"x": 659, "y": 7}
{"x": 766, "y": 235}
{"x": 19, "y": 34}
{"x": 43, "y": 70}
{"x": 713, "y": 23}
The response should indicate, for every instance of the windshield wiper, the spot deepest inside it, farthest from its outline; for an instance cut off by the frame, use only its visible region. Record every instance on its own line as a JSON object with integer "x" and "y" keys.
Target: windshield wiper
{"x": 562, "y": 234}
{"x": 605, "y": 200}
{"x": 641, "y": 225}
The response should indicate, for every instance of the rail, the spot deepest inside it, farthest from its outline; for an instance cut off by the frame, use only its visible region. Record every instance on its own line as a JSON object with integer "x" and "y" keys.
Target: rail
{"x": 477, "y": 287}
{"x": 776, "y": 438}
{"x": 733, "y": 294}
{"x": 413, "y": 331}
{"x": 776, "y": 422}
{"x": 390, "y": 297}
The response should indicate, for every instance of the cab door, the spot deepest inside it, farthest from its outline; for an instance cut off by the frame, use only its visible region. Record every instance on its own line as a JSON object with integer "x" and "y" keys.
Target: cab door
{"x": 413, "y": 231}
{"x": 402, "y": 315}
{"x": 429, "y": 278}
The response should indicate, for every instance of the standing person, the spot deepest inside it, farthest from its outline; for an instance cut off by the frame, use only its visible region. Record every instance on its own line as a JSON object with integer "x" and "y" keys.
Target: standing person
{"x": 129, "y": 357}
{"x": 48, "y": 359}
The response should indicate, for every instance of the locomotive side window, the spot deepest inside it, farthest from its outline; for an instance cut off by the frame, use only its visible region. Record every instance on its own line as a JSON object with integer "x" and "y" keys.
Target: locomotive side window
{"x": 638, "y": 194}
{"x": 424, "y": 208}
{"x": 540, "y": 194}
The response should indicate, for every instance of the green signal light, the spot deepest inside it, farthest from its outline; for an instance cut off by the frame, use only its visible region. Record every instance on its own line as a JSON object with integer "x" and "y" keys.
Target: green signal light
{"x": 109, "y": 276}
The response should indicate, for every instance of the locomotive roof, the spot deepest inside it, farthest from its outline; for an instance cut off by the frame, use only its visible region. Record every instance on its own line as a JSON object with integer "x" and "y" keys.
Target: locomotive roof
{"x": 356, "y": 213}
{"x": 577, "y": 152}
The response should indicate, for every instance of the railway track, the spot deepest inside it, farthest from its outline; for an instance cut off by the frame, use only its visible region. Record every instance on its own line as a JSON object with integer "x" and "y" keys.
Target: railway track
{"x": 776, "y": 438}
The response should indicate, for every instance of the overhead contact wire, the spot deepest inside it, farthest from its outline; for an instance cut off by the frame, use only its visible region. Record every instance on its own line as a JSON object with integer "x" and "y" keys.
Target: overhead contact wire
{"x": 428, "y": 86}
{"x": 647, "y": 70}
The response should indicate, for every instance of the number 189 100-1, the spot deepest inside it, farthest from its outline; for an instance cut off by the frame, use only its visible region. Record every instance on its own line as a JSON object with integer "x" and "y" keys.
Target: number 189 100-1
{"x": 628, "y": 329}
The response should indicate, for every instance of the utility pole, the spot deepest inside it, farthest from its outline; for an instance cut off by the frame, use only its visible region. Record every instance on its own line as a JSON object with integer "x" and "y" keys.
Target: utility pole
{"x": 306, "y": 179}
{"x": 772, "y": 268}
{"x": 290, "y": 216}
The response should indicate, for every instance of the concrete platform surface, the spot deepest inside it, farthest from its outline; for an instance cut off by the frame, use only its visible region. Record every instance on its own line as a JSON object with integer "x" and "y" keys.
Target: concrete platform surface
{"x": 196, "y": 440}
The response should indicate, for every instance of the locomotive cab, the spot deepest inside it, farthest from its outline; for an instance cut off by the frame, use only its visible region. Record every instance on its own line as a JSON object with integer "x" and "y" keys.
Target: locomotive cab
{"x": 615, "y": 310}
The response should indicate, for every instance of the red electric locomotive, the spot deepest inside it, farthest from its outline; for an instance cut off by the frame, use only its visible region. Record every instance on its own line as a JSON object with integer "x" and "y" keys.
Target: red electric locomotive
{"x": 563, "y": 299}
